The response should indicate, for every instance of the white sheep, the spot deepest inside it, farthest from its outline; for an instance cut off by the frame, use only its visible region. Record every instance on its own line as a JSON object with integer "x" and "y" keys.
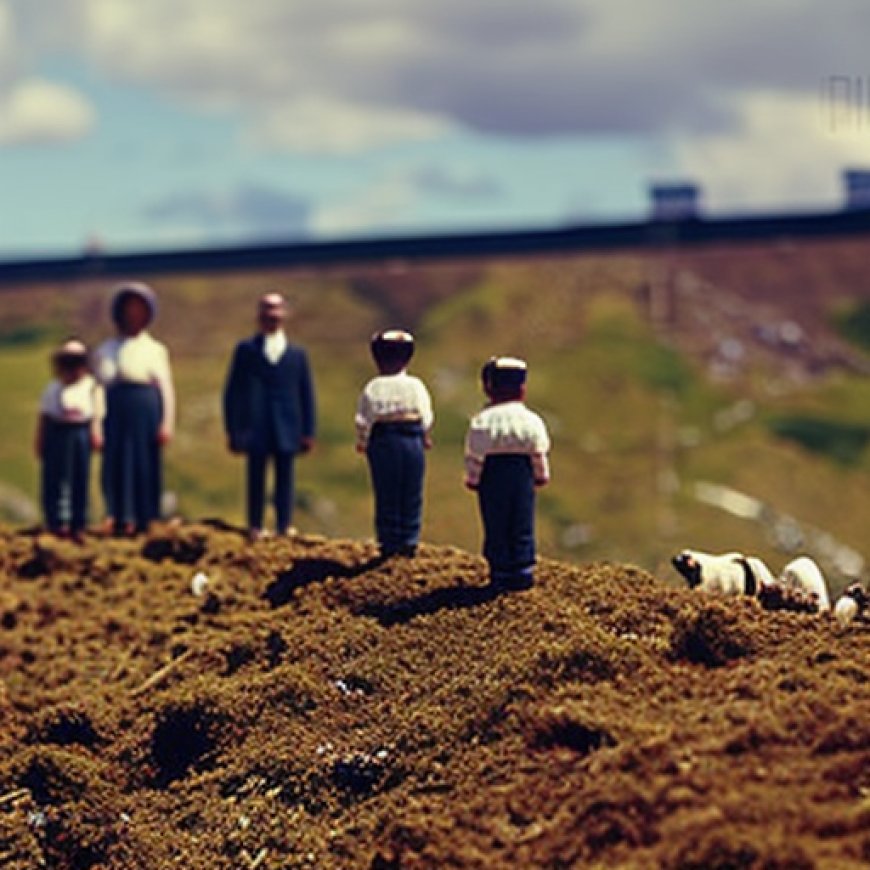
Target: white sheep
{"x": 804, "y": 575}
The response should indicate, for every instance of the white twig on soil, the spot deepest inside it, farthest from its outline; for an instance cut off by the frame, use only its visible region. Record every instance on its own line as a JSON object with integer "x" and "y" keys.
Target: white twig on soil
{"x": 12, "y": 796}
{"x": 159, "y": 675}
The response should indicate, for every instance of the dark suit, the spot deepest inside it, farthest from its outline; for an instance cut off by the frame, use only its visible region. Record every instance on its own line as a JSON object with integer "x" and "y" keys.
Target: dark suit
{"x": 269, "y": 412}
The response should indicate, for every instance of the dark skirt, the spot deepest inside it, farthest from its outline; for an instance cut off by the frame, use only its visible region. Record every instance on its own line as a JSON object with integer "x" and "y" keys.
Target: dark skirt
{"x": 66, "y": 466}
{"x": 132, "y": 473}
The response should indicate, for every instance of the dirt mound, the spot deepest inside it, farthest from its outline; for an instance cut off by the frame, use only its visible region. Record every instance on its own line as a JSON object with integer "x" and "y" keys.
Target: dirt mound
{"x": 313, "y": 706}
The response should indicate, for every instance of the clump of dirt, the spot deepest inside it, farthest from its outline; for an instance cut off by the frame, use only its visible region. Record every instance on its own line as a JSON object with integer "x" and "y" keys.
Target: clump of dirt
{"x": 711, "y": 634}
{"x": 321, "y": 707}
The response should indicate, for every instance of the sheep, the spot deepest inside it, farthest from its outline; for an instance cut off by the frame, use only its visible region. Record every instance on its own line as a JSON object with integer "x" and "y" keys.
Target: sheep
{"x": 853, "y": 602}
{"x": 800, "y": 586}
{"x": 729, "y": 573}
{"x": 804, "y": 575}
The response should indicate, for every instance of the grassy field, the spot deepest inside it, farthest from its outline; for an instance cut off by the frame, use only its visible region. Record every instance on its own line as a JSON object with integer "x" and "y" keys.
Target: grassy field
{"x": 635, "y": 414}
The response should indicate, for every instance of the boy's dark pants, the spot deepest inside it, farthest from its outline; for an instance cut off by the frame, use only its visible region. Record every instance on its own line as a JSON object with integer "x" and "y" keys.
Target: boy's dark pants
{"x": 506, "y": 495}
{"x": 398, "y": 465}
{"x": 66, "y": 463}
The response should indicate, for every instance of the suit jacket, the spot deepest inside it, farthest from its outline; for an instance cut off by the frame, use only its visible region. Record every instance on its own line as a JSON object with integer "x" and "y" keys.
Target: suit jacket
{"x": 268, "y": 407}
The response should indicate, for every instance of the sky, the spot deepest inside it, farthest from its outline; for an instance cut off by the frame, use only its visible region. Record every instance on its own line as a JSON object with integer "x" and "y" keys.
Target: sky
{"x": 165, "y": 124}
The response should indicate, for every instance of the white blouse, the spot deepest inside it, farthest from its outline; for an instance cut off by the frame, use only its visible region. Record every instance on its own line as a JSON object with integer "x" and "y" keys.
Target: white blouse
{"x": 506, "y": 427}
{"x": 78, "y": 402}
{"x": 392, "y": 398}
{"x": 138, "y": 359}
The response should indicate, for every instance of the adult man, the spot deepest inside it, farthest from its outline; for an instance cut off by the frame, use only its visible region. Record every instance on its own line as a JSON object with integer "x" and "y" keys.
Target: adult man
{"x": 269, "y": 412}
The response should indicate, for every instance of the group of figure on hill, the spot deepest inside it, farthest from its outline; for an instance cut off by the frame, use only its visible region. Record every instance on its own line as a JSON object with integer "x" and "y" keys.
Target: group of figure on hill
{"x": 122, "y": 402}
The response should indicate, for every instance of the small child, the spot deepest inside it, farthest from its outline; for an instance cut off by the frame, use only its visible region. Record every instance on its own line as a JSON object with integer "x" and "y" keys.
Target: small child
{"x": 70, "y": 425}
{"x": 393, "y": 423}
{"x": 505, "y": 459}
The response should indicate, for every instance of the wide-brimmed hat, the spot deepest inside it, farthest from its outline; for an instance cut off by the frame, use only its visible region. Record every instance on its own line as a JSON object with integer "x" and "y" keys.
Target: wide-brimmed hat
{"x": 133, "y": 288}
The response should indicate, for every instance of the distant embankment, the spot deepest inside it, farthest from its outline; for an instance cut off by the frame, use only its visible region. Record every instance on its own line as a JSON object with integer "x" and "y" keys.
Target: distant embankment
{"x": 590, "y": 237}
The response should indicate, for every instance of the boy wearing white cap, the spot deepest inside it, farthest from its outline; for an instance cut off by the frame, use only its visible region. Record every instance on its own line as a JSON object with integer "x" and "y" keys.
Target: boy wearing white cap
{"x": 505, "y": 460}
{"x": 70, "y": 425}
{"x": 140, "y": 411}
{"x": 393, "y": 424}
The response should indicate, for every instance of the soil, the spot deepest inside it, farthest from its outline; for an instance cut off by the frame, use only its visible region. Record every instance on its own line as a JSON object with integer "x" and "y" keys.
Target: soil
{"x": 314, "y": 707}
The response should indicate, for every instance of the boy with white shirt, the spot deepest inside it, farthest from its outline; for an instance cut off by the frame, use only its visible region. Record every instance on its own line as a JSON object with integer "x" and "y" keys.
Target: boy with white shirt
{"x": 70, "y": 425}
{"x": 505, "y": 460}
{"x": 393, "y": 424}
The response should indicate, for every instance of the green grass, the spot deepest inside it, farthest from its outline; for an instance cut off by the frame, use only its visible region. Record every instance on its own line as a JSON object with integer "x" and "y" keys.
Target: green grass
{"x": 853, "y": 322}
{"x": 841, "y": 442}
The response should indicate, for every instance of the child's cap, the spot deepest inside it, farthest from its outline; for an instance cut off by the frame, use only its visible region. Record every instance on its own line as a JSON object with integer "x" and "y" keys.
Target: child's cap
{"x": 392, "y": 348}
{"x": 133, "y": 288}
{"x": 503, "y": 373}
{"x": 71, "y": 353}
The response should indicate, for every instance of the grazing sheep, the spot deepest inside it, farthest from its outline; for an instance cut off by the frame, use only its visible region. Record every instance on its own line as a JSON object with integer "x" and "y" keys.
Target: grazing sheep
{"x": 853, "y": 602}
{"x": 804, "y": 575}
{"x": 730, "y": 573}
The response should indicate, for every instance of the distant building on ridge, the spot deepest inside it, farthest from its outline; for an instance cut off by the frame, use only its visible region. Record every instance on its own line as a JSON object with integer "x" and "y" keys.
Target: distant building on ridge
{"x": 857, "y": 185}
{"x": 674, "y": 201}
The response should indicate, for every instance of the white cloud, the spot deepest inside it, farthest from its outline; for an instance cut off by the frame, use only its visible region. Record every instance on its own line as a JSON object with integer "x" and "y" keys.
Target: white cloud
{"x": 318, "y": 125}
{"x": 40, "y": 111}
{"x": 380, "y": 206}
{"x": 8, "y": 45}
{"x": 789, "y": 152}
{"x": 249, "y": 210}
{"x": 346, "y": 75}
{"x": 390, "y": 202}
{"x": 507, "y": 67}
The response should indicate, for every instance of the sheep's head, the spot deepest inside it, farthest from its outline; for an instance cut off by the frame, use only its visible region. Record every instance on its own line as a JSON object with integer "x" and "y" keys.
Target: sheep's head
{"x": 689, "y": 567}
{"x": 859, "y": 594}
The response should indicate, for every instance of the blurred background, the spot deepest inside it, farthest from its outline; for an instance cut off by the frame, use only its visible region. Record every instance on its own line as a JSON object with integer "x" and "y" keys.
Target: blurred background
{"x": 707, "y": 391}
{"x": 708, "y": 395}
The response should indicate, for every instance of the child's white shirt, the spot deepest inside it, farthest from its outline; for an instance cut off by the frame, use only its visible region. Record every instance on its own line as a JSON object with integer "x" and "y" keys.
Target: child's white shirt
{"x": 78, "y": 402}
{"x": 507, "y": 427}
{"x": 392, "y": 398}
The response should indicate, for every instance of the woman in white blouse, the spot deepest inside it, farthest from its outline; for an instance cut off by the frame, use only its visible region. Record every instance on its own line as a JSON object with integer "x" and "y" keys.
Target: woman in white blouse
{"x": 140, "y": 411}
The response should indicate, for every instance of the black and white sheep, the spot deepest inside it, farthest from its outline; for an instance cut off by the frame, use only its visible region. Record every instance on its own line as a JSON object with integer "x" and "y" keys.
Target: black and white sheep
{"x": 729, "y": 573}
{"x": 801, "y": 581}
{"x": 853, "y": 602}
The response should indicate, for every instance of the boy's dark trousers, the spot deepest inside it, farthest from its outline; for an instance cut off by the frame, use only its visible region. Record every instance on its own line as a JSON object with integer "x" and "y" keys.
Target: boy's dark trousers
{"x": 66, "y": 463}
{"x": 506, "y": 495}
{"x": 397, "y": 464}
